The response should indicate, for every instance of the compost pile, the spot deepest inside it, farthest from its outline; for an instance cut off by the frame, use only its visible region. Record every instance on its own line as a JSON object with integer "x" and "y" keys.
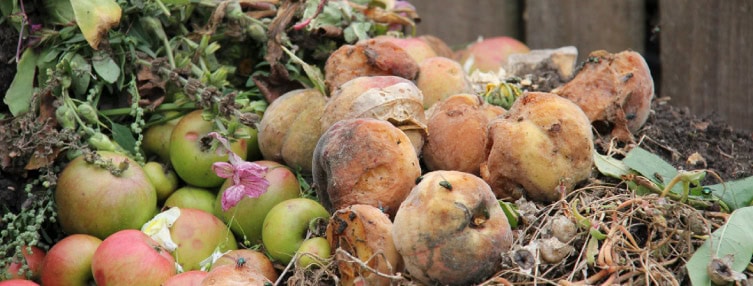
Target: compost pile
{"x": 323, "y": 143}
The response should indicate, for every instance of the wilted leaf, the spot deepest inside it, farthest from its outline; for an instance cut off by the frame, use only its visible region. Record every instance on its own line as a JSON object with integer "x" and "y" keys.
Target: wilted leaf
{"x": 732, "y": 238}
{"x": 19, "y": 94}
{"x": 652, "y": 167}
{"x": 105, "y": 66}
{"x": 95, "y": 18}
{"x": 610, "y": 166}
{"x": 738, "y": 193}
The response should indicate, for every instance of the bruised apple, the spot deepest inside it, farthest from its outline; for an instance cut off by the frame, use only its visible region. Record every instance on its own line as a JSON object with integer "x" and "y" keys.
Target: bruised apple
{"x": 490, "y": 54}
{"x": 365, "y": 232}
{"x": 286, "y": 224}
{"x": 197, "y": 233}
{"x": 96, "y": 201}
{"x": 389, "y": 98}
{"x": 368, "y": 58}
{"x": 238, "y": 274}
{"x": 440, "y": 78}
{"x": 188, "y": 278}
{"x": 257, "y": 260}
{"x": 364, "y": 161}
{"x": 451, "y": 230}
{"x": 290, "y": 128}
{"x": 130, "y": 257}
{"x": 544, "y": 142}
{"x": 615, "y": 89}
{"x": 458, "y": 133}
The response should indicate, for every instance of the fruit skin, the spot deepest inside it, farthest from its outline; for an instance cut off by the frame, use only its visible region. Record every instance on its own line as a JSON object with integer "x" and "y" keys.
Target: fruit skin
{"x": 188, "y": 278}
{"x": 164, "y": 180}
{"x": 286, "y": 224}
{"x": 192, "y": 198}
{"x": 290, "y": 128}
{"x": 458, "y": 133}
{"x": 544, "y": 142}
{"x": 191, "y": 158}
{"x": 157, "y": 139}
{"x": 368, "y": 58}
{"x": 93, "y": 201}
{"x": 490, "y": 54}
{"x": 247, "y": 217}
{"x": 439, "y": 78}
{"x": 235, "y": 275}
{"x": 34, "y": 260}
{"x": 18, "y": 282}
{"x": 197, "y": 233}
{"x": 364, "y": 161}
{"x": 451, "y": 230}
{"x": 366, "y": 233}
{"x": 311, "y": 249}
{"x": 130, "y": 257}
{"x": 257, "y": 260}
{"x": 69, "y": 261}
{"x": 416, "y": 48}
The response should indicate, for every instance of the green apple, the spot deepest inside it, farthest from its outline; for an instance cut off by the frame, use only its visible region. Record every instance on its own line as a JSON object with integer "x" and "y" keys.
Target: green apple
{"x": 191, "y": 155}
{"x": 157, "y": 139}
{"x": 197, "y": 233}
{"x": 247, "y": 217}
{"x": 164, "y": 180}
{"x": 286, "y": 224}
{"x": 313, "y": 251}
{"x": 192, "y": 197}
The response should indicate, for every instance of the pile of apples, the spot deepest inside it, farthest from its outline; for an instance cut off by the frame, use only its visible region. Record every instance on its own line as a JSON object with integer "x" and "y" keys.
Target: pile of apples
{"x": 407, "y": 161}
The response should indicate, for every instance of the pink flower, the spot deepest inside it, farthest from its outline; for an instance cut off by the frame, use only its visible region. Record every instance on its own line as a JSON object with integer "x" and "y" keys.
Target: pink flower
{"x": 248, "y": 178}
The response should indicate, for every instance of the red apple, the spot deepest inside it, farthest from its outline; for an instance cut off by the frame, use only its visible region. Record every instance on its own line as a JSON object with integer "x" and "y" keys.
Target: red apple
{"x": 130, "y": 257}
{"x": 192, "y": 156}
{"x": 190, "y": 278}
{"x": 490, "y": 54}
{"x": 248, "y": 215}
{"x": 92, "y": 200}
{"x": 18, "y": 282}
{"x": 33, "y": 260}
{"x": 197, "y": 233}
{"x": 257, "y": 260}
{"x": 69, "y": 262}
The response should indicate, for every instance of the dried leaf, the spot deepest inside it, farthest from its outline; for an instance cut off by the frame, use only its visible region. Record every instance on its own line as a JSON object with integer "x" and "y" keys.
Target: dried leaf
{"x": 95, "y": 18}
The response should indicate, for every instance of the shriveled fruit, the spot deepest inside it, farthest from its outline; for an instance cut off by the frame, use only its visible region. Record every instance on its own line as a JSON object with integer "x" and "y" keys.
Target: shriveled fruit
{"x": 417, "y": 49}
{"x": 389, "y": 98}
{"x": 540, "y": 148}
{"x": 613, "y": 89}
{"x": 440, "y": 78}
{"x": 451, "y": 230}
{"x": 364, "y": 232}
{"x": 368, "y": 58}
{"x": 458, "y": 133}
{"x": 364, "y": 161}
{"x": 290, "y": 128}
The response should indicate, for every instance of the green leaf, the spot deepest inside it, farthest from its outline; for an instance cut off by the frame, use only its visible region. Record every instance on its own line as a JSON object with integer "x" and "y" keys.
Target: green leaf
{"x": 511, "y": 213}
{"x": 734, "y": 238}
{"x": 652, "y": 167}
{"x": 176, "y": 2}
{"x": 123, "y": 136}
{"x": 314, "y": 73}
{"x": 357, "y": 31}
{"x": 738, "y": 194}
{"x": 105, "y": 66}
{"x": 19, "y": 94}
{"x": 59, "y": 12}
{"x": 95, "y": 18}
{"x": 609, "y": 166}
{"x": 80, "y": 74}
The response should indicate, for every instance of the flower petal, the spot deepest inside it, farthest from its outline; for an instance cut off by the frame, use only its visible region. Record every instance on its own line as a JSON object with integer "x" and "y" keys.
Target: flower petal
{"x": 158, "y": 228}
{"x": 223, "y": 141}
{"x": 223, "y": 169}
{"x": 231, "y": 196}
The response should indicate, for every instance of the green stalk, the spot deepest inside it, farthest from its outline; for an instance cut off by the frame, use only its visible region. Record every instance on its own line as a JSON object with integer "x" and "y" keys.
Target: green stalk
{"x": 165, "y": 107}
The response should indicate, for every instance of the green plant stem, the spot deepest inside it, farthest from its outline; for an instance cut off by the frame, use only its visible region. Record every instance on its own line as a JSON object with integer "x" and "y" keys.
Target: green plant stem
{"x": 165, "y": 107}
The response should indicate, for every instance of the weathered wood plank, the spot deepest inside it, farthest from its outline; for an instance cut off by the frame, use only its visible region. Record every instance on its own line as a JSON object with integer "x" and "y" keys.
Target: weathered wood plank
{"x": 587, "y": 24}
{"x": 706, "y": 57}
{"x": 461, "y": 22}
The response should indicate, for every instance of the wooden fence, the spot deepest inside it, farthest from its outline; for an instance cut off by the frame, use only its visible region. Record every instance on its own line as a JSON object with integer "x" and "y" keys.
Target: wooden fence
{"x": 700, "y": 51}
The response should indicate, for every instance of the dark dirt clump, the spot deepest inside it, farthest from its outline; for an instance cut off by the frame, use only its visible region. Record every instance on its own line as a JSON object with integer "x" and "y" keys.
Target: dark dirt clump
{"x": 690, "y": 142}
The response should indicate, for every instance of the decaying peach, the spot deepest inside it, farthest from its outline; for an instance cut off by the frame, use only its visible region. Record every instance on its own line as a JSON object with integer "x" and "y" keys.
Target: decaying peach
{"x": 490, "y": 54}
{"x": 418, "y": 49}
{"x": 615, "y": 89}
{"x": 440, "y": 77}
{"x": 541, "y": 145}
{"x": 364, "y": 161}
{"x": 440, "y": 47}
{"x": 290, "y": 128}
{"x": 364, "y": 232}
{"x": 458, "y": 133}
{"x": 450, "y": 230}
{"x": 389, "y": 98}
{"x": 368, "y": 58}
